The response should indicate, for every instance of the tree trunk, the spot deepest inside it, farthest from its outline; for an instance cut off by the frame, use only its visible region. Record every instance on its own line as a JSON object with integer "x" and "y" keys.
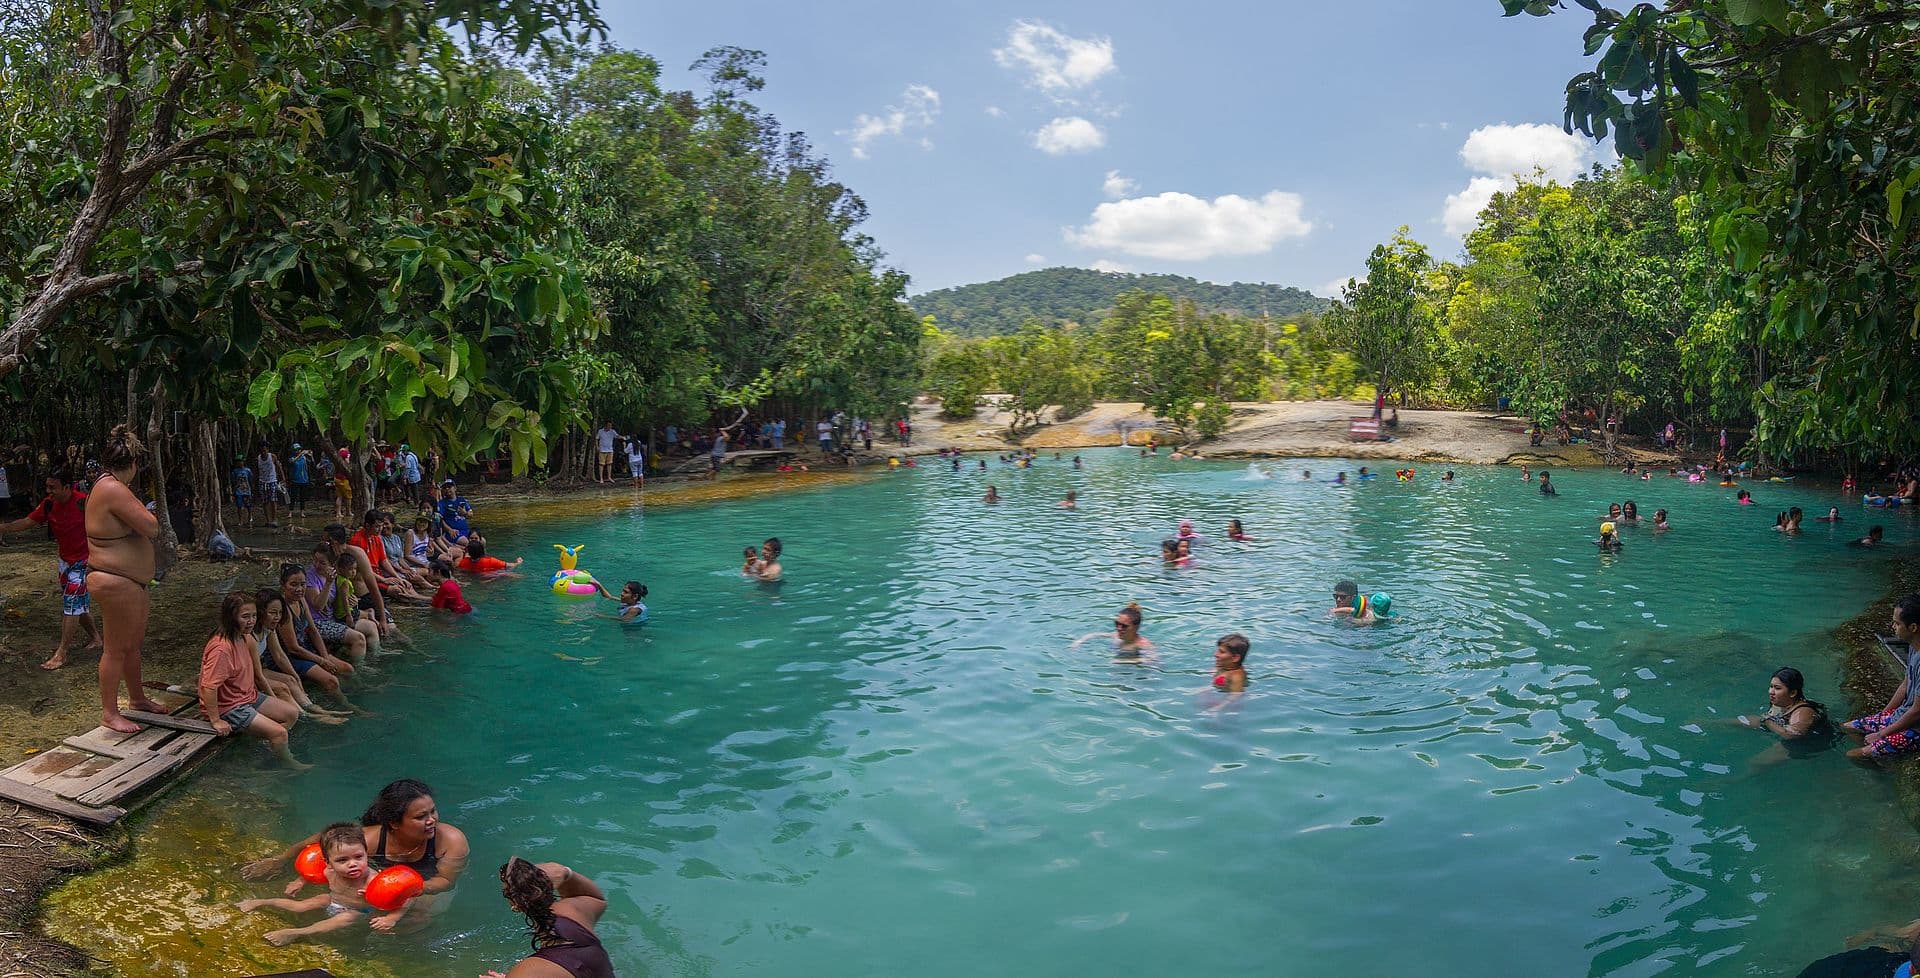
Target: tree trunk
{"x": 166, "y": 547}
{"x": 206, "y": 482}
{"x": 1606, "y": 426}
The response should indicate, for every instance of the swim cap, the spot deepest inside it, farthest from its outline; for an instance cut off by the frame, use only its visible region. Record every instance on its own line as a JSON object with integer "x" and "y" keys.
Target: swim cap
{"x": 1606, "y": 527}
{"x": 1381, "y": 603}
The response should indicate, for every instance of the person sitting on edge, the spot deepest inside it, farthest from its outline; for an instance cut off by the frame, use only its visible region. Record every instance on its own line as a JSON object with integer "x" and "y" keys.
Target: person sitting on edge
{"x": 1230, "y": 669}
{"x": 231, "y": 682}
{"x": 454, "y": 511}
{"x": 345, "y": 849}
{"x": 1546, "y": 484}
{"x": 1609, "y": 542}
{"x": 1891, "y": 732}
{"x": 1872, "y": 539}
{"x": 446, "y": 590}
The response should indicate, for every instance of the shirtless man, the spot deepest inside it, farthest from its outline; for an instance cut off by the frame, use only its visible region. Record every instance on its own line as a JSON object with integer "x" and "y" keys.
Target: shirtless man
{"x": 769, "y": 569}
{"x": 120, "y": 534}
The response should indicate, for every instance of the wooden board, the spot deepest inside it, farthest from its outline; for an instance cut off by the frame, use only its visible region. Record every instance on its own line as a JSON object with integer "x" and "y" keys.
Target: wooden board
{"x": 185, "y": 745}
{"x": 51, "y": 764}
{"x": 74, "y": 780}
{"x": 73, "y": 785}
{"x": 113, "y": 743}
{"x": 129, "y": 781}
{"x": 164, "y": 720}
{"x": 47, "y": 801}
{"x": 170, "y": 700}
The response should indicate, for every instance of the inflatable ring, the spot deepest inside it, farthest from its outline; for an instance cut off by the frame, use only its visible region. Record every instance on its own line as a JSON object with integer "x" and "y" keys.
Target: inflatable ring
{"x": 569, "y": 579}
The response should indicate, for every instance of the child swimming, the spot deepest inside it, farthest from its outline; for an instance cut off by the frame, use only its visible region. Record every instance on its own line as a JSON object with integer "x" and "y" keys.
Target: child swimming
{"x": 345, "y": 847}
{"x": 1660, "y": 521}
{"x": 1071, "y": 502}
{"x": 1230, "y": 668}
{"x": 632, "y": 610}
{"x": 1171, "y": 556}
{"x": 993, "y": 495}
{"x": 1608, "y": 541}
{"x": 1236, "y": 532}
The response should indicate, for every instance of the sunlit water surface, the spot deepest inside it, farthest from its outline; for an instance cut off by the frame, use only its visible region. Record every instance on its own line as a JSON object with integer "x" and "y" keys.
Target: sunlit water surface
{"x": 895, "y": 762}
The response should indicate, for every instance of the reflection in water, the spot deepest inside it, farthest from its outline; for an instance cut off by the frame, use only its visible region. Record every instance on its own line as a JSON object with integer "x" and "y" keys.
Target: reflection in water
{"x": 897, "y": 761}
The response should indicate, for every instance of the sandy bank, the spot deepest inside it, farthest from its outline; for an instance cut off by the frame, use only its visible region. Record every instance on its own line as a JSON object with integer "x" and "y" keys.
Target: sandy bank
{"x": 1286, "y": 429}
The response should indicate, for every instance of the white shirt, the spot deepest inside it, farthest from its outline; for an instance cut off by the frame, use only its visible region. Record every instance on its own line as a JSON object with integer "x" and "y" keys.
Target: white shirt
{"x": 607, "y": 436}
{"x": 824, "y": 429}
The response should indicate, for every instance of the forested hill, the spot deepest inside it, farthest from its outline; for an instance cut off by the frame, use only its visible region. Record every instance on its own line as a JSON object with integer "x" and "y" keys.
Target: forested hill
{"x": 1082, "y": 295}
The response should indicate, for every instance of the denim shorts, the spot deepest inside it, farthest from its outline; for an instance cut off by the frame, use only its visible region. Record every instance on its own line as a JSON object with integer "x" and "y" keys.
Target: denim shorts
{"x": 242, "y": 716}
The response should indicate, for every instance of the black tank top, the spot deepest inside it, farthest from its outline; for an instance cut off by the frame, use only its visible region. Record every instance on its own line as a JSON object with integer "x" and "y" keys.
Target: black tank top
{"x": 428, "y": 865}
{"x": 582, "y": 955}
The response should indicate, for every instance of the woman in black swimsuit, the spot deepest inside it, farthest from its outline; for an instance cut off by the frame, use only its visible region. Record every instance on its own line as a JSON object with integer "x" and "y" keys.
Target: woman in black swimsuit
{"x": 402, "y": 828}
{"x": 561, "y": 907}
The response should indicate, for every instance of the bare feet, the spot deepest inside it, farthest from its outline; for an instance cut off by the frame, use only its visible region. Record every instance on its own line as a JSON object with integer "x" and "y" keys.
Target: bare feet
{"x": 120, "y": 724}
{"x": 327, "y": 718}
{"x": 97, "y": 643}
{"x": 280, "y": 938}
{"x": 59, "y": 659}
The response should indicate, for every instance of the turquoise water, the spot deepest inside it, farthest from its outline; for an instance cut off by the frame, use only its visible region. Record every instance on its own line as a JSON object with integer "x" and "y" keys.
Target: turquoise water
{"x": 894, "y": 762}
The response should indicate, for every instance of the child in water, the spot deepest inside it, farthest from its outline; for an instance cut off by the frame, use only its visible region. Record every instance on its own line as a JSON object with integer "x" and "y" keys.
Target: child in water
{"x": 1230, "y": 668}
{"x": 1833, "y": 516}
{"x": 345, "y": 849}
{"x": 1071, "y": 502}
{"x": 1745, "y": 498}
{"x": 1171, "y": 556}
{"x": 1236, "y": 532}
{"x": 1660, "y": 521}
{"x": 751, "y": 567}
{"x": 632, "y": 610}
{"x": 1608, "y": 542}
{"x": 446, "y": 590}
{"x": 993, "y": 495}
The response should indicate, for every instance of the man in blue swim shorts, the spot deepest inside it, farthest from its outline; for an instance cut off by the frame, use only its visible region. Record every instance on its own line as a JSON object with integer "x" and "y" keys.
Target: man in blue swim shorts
{"x": 1895, "y": 730}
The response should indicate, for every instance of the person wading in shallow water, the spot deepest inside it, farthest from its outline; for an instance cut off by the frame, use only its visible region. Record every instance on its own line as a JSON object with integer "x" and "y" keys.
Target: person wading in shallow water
{"x": 561, "y": 907}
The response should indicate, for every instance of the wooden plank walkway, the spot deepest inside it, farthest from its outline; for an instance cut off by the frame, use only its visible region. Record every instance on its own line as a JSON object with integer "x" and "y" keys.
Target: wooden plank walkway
{"x": 91, "y": 777}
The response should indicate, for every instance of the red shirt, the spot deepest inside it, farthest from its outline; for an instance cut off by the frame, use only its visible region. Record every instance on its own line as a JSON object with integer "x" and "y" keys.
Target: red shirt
{"x": 482, "y": 565}
{"x": 229, "y": 671}
{"x": 68, "y": 517}
{"x": 449, "y": 597}
{"x": 370, "y": 542}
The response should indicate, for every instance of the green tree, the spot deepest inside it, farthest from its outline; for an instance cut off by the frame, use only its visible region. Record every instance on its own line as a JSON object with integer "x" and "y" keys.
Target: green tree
{"x": 1388, "y": 322}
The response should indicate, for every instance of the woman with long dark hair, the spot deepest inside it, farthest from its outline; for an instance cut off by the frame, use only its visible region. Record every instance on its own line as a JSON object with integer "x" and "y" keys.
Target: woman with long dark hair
{"x": 561, "y": 907}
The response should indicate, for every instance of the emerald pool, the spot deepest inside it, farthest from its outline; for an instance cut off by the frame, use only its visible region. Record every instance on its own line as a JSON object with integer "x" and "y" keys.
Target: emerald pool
{"x": 894, "y": 762}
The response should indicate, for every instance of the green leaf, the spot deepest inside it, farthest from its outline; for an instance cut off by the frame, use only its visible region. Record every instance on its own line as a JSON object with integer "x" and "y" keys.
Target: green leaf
{"x": 1896, "y": 201}
{"x": 1752, "y": 13}
{"x": 263, "y": 392}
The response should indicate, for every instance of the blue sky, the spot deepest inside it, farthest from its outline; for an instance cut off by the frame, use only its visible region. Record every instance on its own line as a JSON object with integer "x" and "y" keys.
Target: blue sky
{"x": 1273, "y": 142}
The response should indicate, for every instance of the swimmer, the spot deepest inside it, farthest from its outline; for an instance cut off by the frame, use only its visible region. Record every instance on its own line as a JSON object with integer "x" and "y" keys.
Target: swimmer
{"x": 1236, "y": 532}
{"x": 1448, "y": 477}
{"x": 1076, "y": 461}
{"x": 632, "y": 608}
{"x": 1608, "y": 541}
{"x": 1230, "y": 669}
{"x": 983, "y": 465}
{"x": 1794, "y": 517}
{"x": 1372, "y": 609}
{"x": 1340, "y": 479}
{"x": 1071, "y": 502}
{"x": 1364, "y": 474}
{"x": 1613, "y": 512}
{"x": 1171, "y": 556}
{"x": 1306, "y": 476}
{"x": 992, "y": 496}
{"x": 1726, "y": 481}
{"x": 1186, "y": 549}
{"x": 1660, "y": 523}
{"x": 1526, "y": 475}
{"x": 1128, "y": 644}
{"x": 769, "y": 570}
{"x": 1629, "y": 512}
{"x": 1872, "y": 539}
{"x": 1847, "y": 485}
{"x": 1186, "y": 531}
{"x": 1346, "y": 598}
{"x": 1801, "y": 724}
{"x": 476, "y": 560}
{"x": 1546, "y": 484}
{"x": 1833, "y": 516}
{"x": 345, "y": 847}
{"x": 751, "y": 564}
{"x": 1745, "y": 498}
{"x": 1176, "y": 456}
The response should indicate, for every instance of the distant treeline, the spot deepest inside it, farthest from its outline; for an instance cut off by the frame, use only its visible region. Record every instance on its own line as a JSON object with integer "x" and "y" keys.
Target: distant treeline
{"x": 1058, "y": 296}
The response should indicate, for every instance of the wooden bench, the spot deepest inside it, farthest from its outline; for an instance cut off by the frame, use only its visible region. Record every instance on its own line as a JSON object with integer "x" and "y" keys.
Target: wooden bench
{"x": 1363, "y": 429}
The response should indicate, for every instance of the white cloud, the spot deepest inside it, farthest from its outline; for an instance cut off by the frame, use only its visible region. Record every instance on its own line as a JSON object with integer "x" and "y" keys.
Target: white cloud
{"x": 1036, "y": 259}
{"x": 1182, "y": 227}
{"x": 995, "y": 111}
{"x": 1052, "y": 61}
{"x": 1117, "y": 186}
{"x": 1462, "y": 212}
{"x": 1333, "y": 289}
{"x": 1109, "y": 265}
{"x": 1504, "y": 152}
{"x": 919, "y": 106}
{"x": 1069, "y": 134}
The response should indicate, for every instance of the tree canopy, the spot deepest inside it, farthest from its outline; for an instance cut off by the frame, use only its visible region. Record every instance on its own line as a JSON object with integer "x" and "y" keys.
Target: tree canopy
{"x": 1057, "y": 296}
